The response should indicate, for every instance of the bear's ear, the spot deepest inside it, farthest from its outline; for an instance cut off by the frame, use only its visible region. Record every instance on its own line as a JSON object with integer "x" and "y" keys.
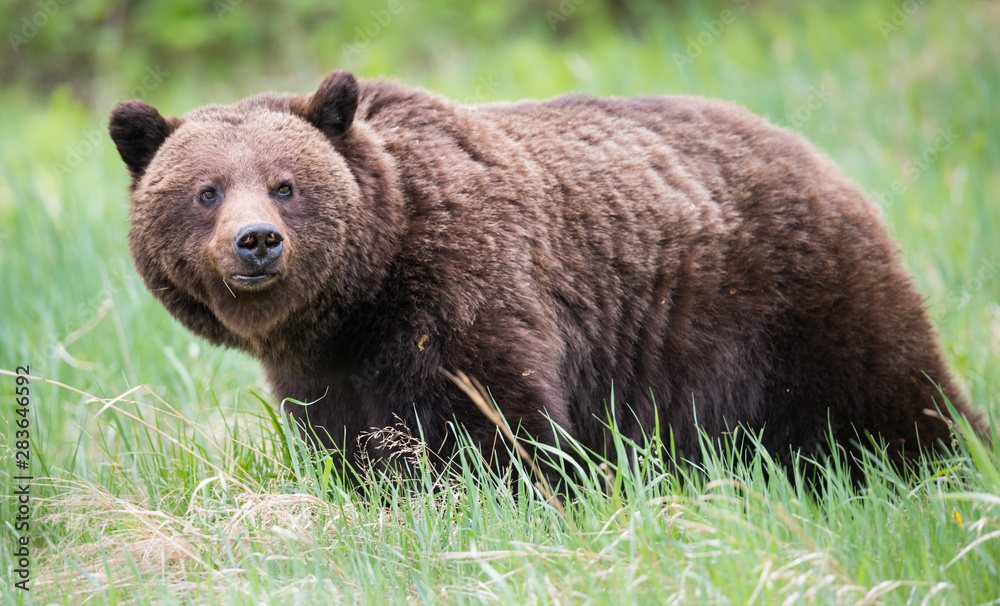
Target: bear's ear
{"x": 138, "y": 131}
{"x": 331, "y": 107}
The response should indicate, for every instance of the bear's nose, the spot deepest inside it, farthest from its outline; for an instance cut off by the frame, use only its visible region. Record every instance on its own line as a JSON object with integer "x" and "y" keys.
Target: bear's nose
{"x": 258, "y": 244}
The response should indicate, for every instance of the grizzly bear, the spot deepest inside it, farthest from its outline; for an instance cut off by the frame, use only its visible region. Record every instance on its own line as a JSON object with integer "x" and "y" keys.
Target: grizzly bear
{"x": 678, "y": 259}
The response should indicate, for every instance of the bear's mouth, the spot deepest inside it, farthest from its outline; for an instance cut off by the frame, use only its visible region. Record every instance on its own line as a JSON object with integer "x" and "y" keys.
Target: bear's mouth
{"x": 251, "y": 282}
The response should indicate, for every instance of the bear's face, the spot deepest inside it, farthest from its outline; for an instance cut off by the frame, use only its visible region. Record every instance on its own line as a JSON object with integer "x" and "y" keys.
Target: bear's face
{"x": 244, "y": 211}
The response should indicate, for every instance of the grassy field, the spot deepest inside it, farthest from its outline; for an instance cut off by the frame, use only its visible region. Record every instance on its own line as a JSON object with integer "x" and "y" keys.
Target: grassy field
{"x": 161, "y": 476}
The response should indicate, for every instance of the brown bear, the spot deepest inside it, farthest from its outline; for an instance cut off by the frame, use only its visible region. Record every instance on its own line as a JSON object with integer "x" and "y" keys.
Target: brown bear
{"x": 678, "y": 257}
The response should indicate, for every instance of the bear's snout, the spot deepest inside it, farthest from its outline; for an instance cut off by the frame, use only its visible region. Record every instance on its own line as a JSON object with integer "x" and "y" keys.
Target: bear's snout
{"x": 258, "y": 245}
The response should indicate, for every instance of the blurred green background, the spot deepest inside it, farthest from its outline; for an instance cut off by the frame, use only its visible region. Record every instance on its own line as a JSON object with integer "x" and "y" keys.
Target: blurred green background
{"x": 903, "y": 95}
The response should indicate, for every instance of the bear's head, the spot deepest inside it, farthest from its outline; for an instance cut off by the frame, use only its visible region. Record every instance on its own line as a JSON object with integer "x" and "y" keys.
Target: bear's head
{"x": 244, "y": 215}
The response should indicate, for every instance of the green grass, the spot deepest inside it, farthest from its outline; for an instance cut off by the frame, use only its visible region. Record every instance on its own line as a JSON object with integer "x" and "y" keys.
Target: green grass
{"x": 185, "y": 490}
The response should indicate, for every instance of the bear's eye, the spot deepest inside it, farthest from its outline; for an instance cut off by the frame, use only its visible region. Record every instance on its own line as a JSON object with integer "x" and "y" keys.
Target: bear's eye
{"x": 284, "y": 190}
{"x": 208, "y": 196}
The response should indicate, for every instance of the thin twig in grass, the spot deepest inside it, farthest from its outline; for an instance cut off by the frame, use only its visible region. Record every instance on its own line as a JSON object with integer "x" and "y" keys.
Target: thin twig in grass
{"x": 979, "y": 541}
{"x": 480, "y": 397}
{"x": 475, "y": 555}
{"x": 11, "y": 373}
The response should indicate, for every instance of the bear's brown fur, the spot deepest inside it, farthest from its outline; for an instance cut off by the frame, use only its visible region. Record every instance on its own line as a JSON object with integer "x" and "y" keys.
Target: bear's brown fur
{"x": 693, "y": 259}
